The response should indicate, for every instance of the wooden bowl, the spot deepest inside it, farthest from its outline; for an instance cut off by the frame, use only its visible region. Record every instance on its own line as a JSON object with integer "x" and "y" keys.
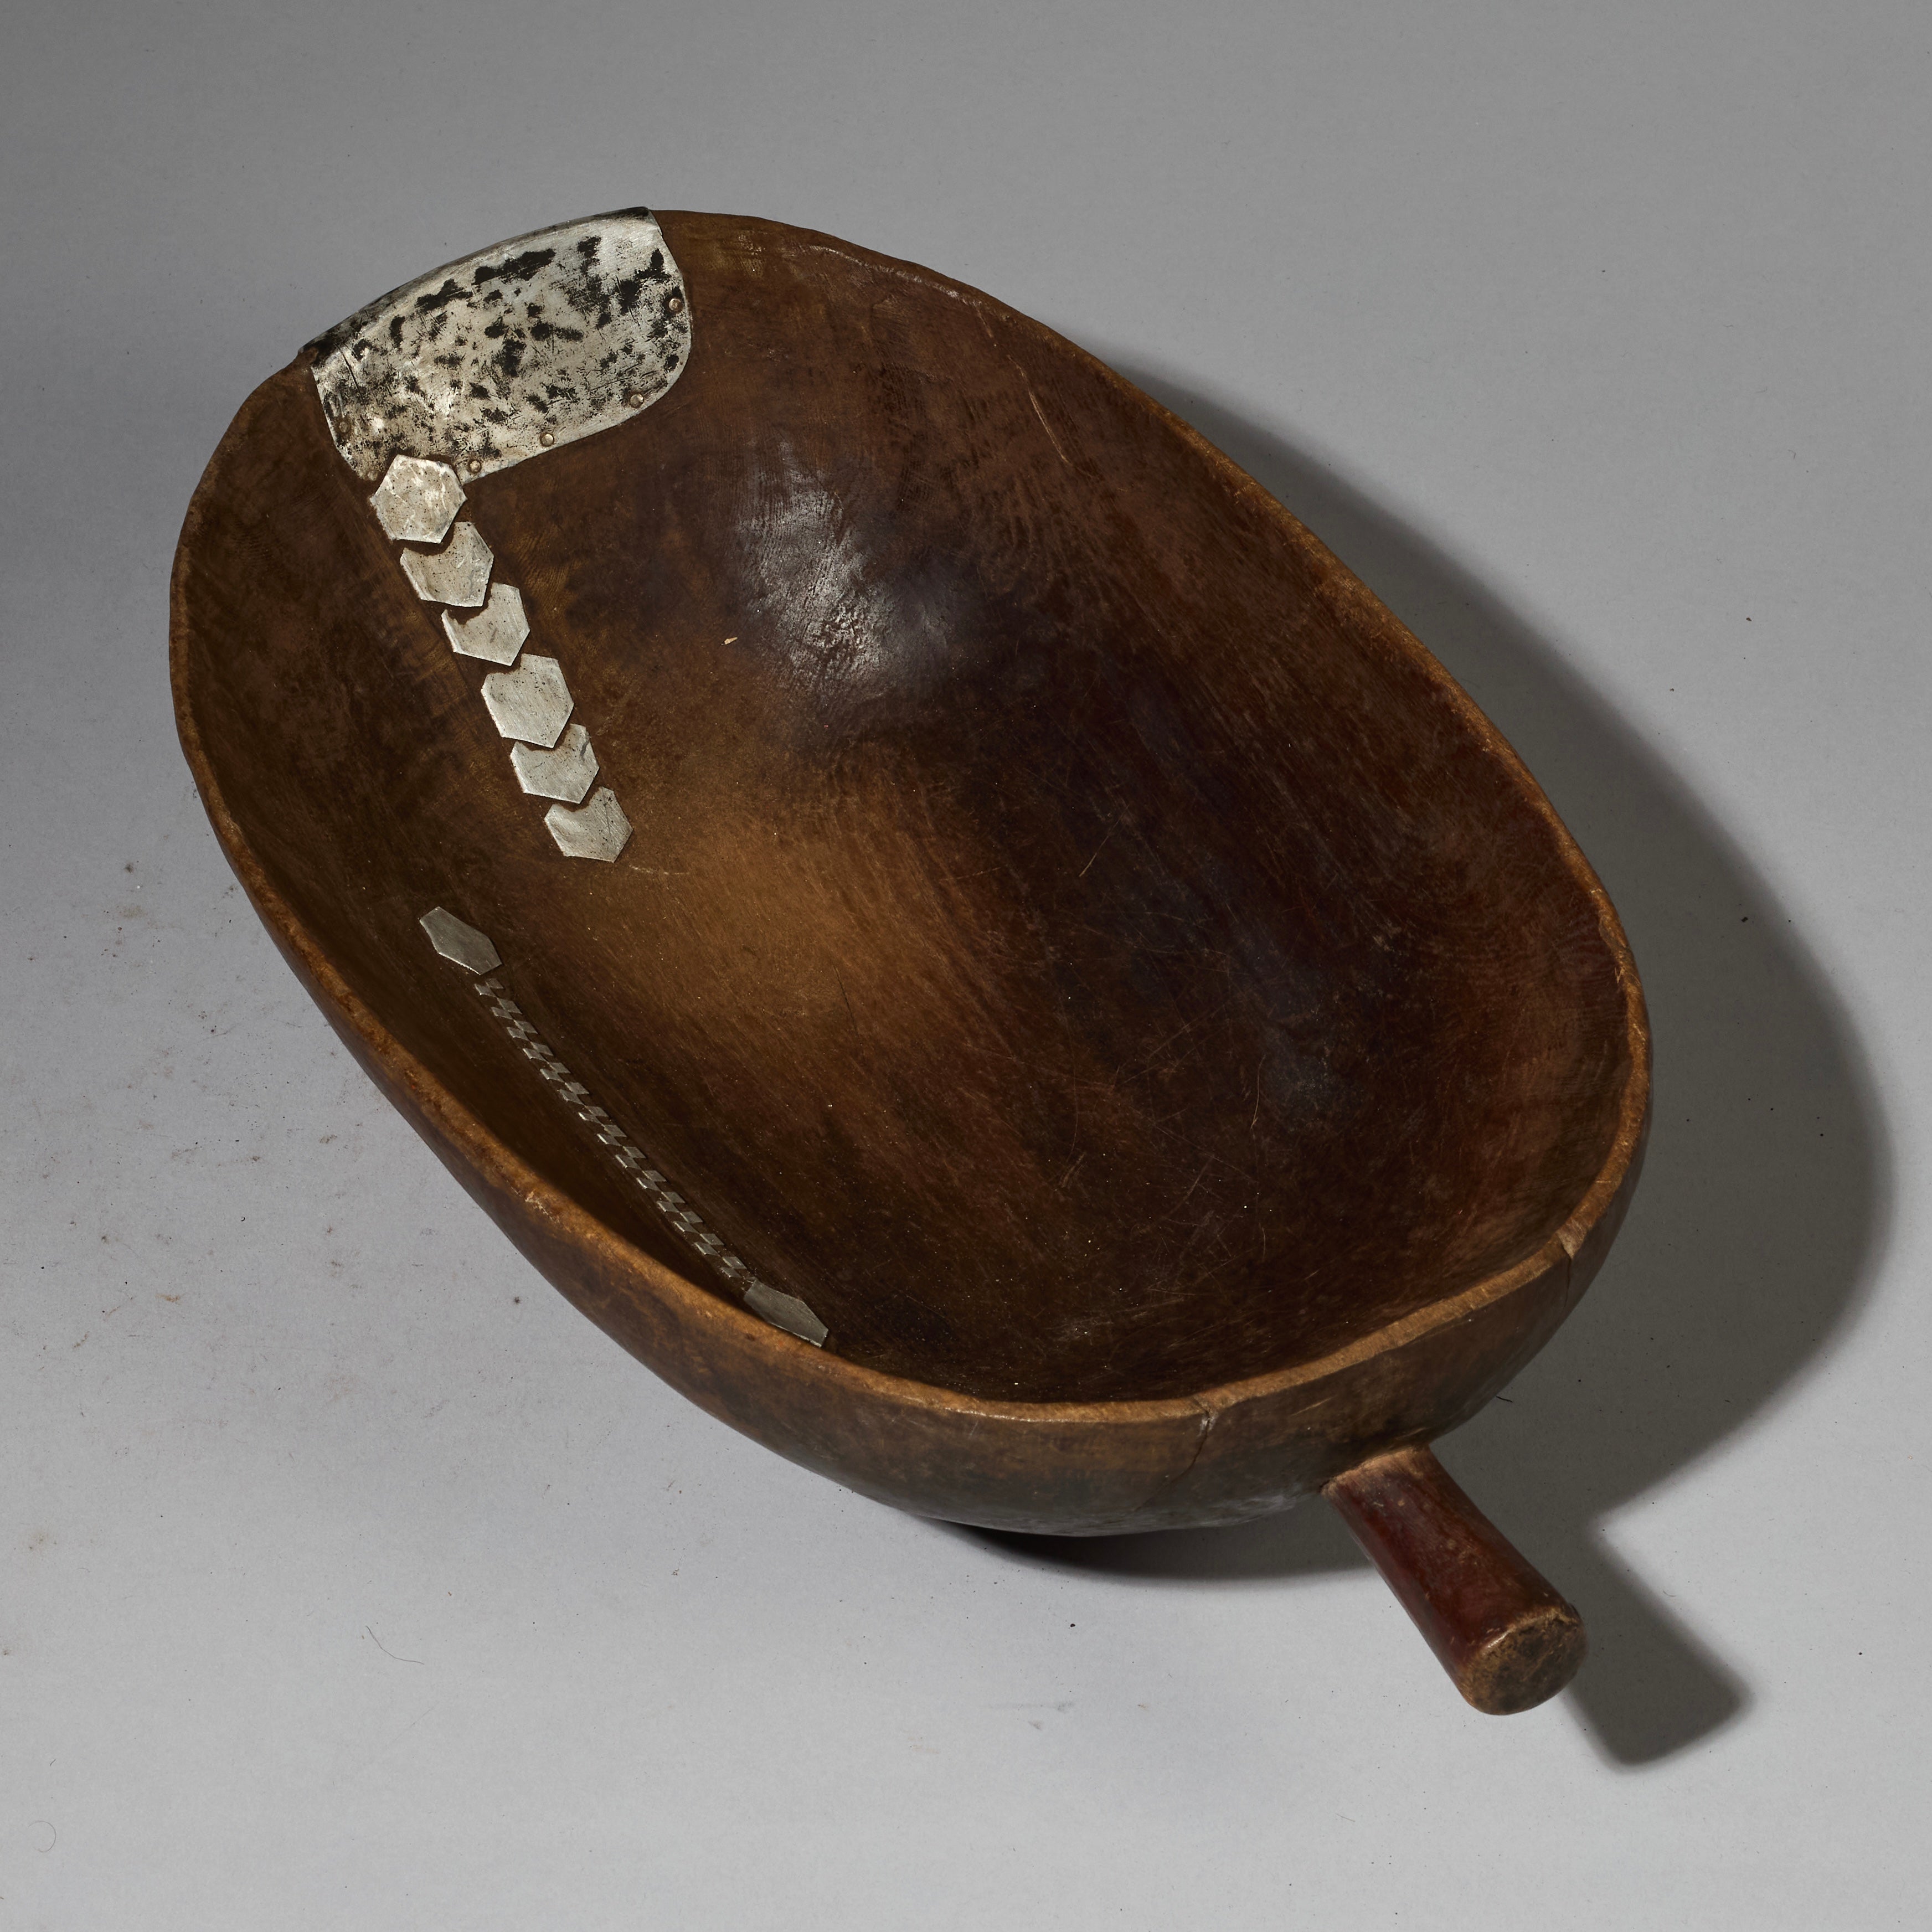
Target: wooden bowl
{"x": 925, "y": 902}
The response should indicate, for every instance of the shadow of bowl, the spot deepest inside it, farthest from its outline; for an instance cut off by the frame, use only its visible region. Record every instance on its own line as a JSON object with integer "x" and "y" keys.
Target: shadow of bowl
{"x": 1766, "y": 1191}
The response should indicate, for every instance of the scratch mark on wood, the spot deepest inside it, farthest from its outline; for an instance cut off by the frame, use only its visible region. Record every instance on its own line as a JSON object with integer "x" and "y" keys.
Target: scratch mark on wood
{"x": 1101, "y": 847}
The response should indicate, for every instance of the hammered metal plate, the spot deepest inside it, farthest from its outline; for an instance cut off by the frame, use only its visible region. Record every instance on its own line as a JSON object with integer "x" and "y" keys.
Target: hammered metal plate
{"x": 531, "y": 702}
{"x": 458, "y": 940}
{"x": 497, "y": 633}
{"x": 597, "y": 830}
{"x": 417, "y": 501}
{"x": 459, "y": 573}
{"x": 567, "y": 773}
{"x": 535, "y": 343}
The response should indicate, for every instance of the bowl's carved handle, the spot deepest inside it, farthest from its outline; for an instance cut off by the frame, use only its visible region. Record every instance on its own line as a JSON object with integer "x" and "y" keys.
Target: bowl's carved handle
{"x": 1506, "y": 1637}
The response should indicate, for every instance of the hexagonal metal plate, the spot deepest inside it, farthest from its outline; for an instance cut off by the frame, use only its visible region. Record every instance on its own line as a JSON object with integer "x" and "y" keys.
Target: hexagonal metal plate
{"x": 417, "y": 501}
{"x": 786, "y": 1312}
{"x": 497, "y": 633}
{"x": 568, "y": 773}
{"x": 597, "y": 830}
{"x": 531, "y": 702}
{"x": 464, "y": 944}
{"x": 458, "y": 573}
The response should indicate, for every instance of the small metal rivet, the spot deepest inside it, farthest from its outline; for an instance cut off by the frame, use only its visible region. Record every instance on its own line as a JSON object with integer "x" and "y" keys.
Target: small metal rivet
{"x": 548, "y": 437}
{"x": 635, "y": 399}
{"x": 676, "y": 305}
{"x": 476, "y": 466}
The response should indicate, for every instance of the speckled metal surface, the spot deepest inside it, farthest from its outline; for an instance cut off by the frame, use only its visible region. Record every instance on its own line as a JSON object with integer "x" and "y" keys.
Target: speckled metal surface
{"x": 536, "y": 342}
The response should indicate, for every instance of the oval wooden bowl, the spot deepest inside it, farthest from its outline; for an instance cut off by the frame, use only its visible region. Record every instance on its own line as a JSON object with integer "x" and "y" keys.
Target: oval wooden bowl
{"x": 1089, "y": 1028}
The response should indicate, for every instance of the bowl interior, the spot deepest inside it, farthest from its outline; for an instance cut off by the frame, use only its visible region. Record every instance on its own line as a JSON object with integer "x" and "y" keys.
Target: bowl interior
{"x": 1070, "y": 936}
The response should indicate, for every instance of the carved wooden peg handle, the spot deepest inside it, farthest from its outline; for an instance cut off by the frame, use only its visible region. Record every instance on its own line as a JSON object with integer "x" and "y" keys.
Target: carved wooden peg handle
{"x": 1505, "y": 1636}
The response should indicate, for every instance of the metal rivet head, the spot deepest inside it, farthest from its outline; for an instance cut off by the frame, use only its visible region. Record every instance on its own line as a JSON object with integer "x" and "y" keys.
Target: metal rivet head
{"x": 635, "y": 399}
{"x": 476, "y": 466}
{"x": 548, "y": 437}
{"x": 676, "y": 305}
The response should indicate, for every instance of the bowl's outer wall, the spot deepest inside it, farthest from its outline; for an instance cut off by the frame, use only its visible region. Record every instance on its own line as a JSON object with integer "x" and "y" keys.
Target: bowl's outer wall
{"x": 1223, "y": 1453}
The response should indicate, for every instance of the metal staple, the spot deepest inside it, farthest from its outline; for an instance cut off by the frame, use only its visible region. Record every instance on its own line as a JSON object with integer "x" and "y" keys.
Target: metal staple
{"x": 624, "y": 1152}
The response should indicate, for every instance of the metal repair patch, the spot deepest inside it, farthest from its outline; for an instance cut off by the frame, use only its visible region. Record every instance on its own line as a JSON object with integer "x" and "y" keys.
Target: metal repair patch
{"x": 506, "y": 354}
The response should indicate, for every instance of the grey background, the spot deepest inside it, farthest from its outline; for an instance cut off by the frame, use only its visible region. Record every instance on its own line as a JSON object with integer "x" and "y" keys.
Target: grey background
{"x": 347, "y": 1577}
